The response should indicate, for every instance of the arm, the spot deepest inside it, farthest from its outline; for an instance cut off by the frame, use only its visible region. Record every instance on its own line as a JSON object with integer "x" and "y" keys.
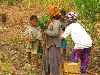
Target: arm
{"x": 66, "y": 32}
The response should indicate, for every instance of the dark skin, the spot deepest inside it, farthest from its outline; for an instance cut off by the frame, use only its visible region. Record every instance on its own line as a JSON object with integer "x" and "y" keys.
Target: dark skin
{"x": 33, "y": 24}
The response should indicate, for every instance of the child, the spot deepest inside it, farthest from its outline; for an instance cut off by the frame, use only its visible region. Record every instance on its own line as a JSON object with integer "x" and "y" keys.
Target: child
{"x": 81, "y": 39}
{"x": 33, "y": 36}
{"x": 64, "y": 41}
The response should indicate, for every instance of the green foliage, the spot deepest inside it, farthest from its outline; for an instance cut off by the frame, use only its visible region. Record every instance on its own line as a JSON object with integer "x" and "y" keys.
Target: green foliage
{"x": 43, "y": 22}
{"x": 6, "y": 67}
{"x": 87, "y": 8}
{"x": 98, "y": 7}
{"x": 9, "y": 2}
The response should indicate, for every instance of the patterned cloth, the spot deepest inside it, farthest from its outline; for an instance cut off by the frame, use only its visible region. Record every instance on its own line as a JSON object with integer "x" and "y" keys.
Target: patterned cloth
{"x": 54, "y": 44}
{"x": 54, "y": 60}
{"x": 35, "y": 35}
{"x": 71, "y": 16}
{"x": 64, "y": 44}
{"x": 83, "y": 55}
{"x": 53, "y": 33}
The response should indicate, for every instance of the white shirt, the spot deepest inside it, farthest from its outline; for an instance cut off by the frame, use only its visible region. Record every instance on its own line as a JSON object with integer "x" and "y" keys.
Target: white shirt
{"x": 78, "y": 35}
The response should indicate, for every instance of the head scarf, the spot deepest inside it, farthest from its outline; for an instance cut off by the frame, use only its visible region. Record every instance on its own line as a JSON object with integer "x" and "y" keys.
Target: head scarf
{"x": 71, "y": 16}
{"x": 53, "y": 10}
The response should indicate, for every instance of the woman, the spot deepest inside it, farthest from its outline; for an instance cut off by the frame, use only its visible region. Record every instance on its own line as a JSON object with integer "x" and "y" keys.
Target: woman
{"x": 54, "y": 41}
{"x": 81, "y": 39}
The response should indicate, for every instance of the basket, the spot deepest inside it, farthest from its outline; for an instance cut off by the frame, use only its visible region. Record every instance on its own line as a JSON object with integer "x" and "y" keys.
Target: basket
{"x": 71, "y": 68}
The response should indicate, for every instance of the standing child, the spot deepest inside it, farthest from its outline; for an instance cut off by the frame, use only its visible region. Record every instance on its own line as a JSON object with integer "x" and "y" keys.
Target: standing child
{"x": 33, "y": 37}
{"x": 81, "y": 39}
{"x": 64, "y": 41}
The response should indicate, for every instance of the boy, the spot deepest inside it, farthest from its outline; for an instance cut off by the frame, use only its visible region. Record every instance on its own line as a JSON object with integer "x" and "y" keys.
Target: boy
{"x": 81, "y": 39}
{"x": 33, "y": 37}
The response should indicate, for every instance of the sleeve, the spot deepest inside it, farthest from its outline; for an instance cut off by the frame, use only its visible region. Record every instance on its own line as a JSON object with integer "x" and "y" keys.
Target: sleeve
{"x": 39, "y": 35}
{"x": 67, "y": 31}
{"x": 53, "y": 29}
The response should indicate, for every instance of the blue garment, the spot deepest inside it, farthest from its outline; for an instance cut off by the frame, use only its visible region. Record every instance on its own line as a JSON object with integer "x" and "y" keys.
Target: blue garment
{"x": 64, "y": 43}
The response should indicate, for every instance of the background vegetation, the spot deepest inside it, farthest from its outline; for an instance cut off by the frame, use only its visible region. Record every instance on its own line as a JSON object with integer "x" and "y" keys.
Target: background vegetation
{"x": 12, "y": 46}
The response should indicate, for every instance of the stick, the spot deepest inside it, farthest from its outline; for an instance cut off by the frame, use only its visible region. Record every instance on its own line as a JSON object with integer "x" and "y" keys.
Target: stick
{"x": 45, "y": 55}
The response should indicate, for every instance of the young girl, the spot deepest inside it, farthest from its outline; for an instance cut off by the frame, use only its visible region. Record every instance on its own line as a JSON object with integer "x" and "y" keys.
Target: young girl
{"x": 81, "y": 39}
{"x": 33, "y": 37}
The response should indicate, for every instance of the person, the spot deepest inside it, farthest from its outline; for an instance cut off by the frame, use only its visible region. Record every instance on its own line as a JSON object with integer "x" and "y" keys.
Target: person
{"x": 82, "y": 41}
{"x": 33, "y": 37}
{"x": 64, "y": 41}
{"x": 54, "y": 41}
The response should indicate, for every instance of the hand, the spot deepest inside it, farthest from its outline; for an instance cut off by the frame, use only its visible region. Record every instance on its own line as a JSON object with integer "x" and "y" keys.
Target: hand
{"x": 29, "y": 39}
{"x": 61, "y": 35}
{"x": 50, "y": 27}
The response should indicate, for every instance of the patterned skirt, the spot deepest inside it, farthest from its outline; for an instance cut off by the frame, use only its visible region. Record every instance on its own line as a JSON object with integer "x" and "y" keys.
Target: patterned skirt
{"x": 54, "y": 60}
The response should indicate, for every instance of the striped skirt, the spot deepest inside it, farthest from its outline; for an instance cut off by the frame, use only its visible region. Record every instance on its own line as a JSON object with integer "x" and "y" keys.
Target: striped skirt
{"x": 54, "y": 60}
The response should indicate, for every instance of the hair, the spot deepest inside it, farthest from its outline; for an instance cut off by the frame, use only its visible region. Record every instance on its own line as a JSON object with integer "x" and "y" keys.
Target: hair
{"x": 33, "y": 17}
{"x": 57, "y": 17}
{"x": 63, "y": 12}
{"x": 3, "y": 17}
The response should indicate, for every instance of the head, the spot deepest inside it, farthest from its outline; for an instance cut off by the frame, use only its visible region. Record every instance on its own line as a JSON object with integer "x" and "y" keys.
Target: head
{"x": 33, "y": 20}
{"x": 71, "y": 17}
{"x": 53, "y": 11}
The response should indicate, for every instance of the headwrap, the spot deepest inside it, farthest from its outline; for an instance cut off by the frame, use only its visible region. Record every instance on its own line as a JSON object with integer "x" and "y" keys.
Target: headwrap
{"x": 53, "y": 10}
{"x": 71, "y": 16}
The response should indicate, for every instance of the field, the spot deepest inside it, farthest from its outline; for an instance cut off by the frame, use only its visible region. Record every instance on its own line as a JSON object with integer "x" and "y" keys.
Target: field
{"x": 13, "y": 54}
